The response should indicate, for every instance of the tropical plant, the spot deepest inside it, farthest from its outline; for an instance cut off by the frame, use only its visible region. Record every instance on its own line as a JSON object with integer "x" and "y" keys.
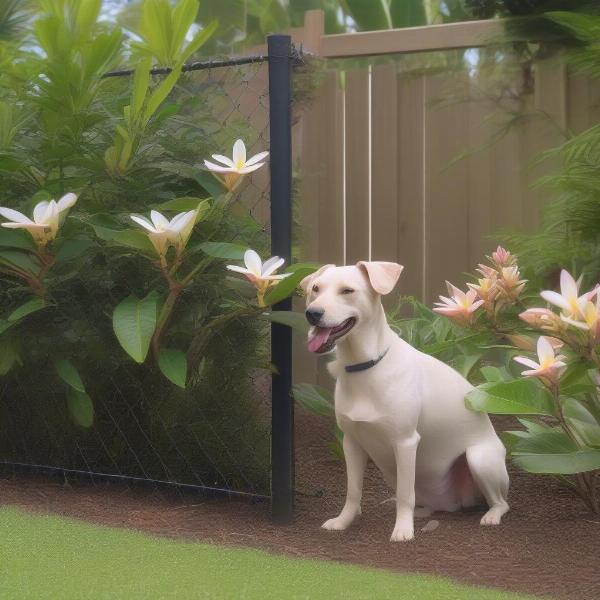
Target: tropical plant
{"x": 106, "y": 315}
{"x": 569, "y": 236}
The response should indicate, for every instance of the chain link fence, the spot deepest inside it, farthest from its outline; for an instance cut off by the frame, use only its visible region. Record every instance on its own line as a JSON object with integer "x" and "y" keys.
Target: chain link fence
{"x": 215, "y": 435}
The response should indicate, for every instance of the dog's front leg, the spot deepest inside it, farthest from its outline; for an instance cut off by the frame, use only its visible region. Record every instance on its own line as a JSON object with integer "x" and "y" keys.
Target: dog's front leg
{"x": 405, "y": 452}
{"x": 356, "y": 461}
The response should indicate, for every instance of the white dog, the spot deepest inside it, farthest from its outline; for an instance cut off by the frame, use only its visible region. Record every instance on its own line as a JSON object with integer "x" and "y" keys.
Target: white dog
{"x": 403, "y": 409}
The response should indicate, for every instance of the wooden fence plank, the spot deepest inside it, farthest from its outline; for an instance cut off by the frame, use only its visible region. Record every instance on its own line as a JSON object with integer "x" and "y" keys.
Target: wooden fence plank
{"x": 446, "y": 209}
{"x": 410, "y": 180}
{"x": 357, "y": 165}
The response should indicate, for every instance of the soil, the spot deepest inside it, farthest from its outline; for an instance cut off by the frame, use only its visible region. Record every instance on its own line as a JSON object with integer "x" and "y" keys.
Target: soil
{"x": 548, "y": 544}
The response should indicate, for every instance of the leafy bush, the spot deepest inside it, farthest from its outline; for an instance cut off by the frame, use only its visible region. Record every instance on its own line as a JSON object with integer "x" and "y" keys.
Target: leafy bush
{"x": 123, "y": 346}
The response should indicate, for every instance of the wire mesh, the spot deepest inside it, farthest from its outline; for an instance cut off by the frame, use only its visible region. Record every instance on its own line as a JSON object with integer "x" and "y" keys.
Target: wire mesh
{"x": 216, "y": 433}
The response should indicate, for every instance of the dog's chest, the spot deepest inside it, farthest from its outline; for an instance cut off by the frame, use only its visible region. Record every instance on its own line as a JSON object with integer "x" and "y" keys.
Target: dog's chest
{"x": 368, "y": 407}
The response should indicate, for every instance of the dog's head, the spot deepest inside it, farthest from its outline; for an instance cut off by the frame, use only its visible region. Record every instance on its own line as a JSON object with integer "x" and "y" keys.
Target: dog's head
{"x": 341, "y": 300}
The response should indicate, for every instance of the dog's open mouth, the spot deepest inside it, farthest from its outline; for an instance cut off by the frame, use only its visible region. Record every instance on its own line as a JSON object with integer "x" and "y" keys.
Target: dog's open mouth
{"x": 322, "y": 339}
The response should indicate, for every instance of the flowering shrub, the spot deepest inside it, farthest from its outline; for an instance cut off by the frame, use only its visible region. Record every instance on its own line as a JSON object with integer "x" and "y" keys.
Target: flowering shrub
{"x": 556, "y": 398}
{"x": 112, "y": 268}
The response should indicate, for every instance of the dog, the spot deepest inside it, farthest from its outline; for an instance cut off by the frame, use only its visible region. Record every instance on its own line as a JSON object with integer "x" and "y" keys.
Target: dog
{"x": 401, "y": 408}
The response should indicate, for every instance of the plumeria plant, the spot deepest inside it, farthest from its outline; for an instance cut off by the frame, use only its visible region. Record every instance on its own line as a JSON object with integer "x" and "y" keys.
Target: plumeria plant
{"x": 557, "y": 396}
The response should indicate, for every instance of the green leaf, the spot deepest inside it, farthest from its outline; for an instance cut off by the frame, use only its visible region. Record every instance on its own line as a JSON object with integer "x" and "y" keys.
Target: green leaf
{"x": 371, "y": 15}
{"x": 408, "y": 13}
{"x": 184, "y": 204}
{"x": 464, "y": 363}
{"x": 134, "y": 321}
{"x": 72, "y": 249}
{"x": 81, "y": 407}
{"x": 314, "y": 399}
{"x": 69, "y": 374}
{"x": 224, "y": 250}
{"x": 173, "y": 364}
{"x": 518, "y": 397}
{"x": 297, "y": 321}
{"x": 141, "y": 82}
{"x": 29, "y": 307}
{"x": 8, "y": 357}
{"x": 201, "y": 38}
{"x": 554, "y": 452}
{"x": 210, "y": 183}
{"x": 159, "y": 95}
{"x": 22, "y": 261}
{"x": 494, "y": 374}
{"x": 582, "y": 420}
{"x": 133, "y": 238}
{"x": 286, "y": 287}
{"x": 10, "y": 238}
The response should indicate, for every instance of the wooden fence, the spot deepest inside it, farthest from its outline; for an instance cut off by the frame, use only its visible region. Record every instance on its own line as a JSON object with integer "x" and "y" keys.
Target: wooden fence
{"x": 378, "y": 144}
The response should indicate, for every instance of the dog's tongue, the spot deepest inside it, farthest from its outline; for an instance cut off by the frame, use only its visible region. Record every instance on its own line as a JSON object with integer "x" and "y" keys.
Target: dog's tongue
{"x": 319, "y": 337}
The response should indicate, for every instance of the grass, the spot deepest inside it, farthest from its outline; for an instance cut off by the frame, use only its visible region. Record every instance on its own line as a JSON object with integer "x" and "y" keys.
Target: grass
{"x": 47, "y": 557}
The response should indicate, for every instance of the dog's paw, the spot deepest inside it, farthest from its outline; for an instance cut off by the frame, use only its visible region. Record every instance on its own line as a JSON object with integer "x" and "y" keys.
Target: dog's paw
{"x": 494, "y": 515}
{"x": 402, "y": 533}
{"x": 336, "y": 524}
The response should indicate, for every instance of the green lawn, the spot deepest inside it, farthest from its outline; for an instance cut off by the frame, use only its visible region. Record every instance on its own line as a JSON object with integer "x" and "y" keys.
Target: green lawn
{"x": 60, "y": 559}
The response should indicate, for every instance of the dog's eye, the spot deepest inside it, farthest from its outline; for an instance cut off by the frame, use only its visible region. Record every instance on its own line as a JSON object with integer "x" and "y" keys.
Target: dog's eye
{"x": 315, "y": 289}
{"x": 347, "y": 291}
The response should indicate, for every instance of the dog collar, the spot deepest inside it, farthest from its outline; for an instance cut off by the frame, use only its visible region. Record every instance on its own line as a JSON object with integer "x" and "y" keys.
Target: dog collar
{"x": 365, "y": 365}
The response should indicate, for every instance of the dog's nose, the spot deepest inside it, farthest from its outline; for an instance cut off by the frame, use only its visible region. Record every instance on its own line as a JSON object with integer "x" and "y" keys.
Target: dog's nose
{"x": 313, "y": 315}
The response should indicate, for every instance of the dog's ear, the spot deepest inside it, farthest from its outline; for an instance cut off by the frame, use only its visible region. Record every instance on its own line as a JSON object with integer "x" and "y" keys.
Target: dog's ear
{"x": 305, "y": 283}
{"x": 383, "y": 276}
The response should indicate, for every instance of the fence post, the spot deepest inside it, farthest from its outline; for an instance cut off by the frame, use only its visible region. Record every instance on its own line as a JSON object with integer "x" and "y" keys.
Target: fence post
{"x": 282, "y": 411}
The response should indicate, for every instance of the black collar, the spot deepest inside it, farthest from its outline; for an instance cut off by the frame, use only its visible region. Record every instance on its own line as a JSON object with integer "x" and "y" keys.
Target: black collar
{"x": 365, "y": 365}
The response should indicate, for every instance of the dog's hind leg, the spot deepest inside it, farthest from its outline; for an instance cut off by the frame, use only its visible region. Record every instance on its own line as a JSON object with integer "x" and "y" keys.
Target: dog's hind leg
{"x": 487, "y": 463}
{"x": 356, "y": 462}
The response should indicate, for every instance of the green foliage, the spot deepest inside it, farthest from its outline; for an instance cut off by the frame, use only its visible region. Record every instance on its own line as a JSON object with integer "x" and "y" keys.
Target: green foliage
{"x": 570, "y": 232}
{"x": 124, "y": 146}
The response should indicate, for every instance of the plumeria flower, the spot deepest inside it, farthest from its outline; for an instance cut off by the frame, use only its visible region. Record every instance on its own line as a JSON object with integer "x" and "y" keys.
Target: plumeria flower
{"x": 569, "y": 299}
{"x": 262, "y": 275}
{"x": 164, "y": 233}
{"x": 510, "y": 281}
{"x": 525, "y": 342}
{"x": 591, "y": 319}
{"x": 460, "y": 306}
{"x": 542, "y": 318}
{"x": 502, "y": 257}
{"x": 235, "y": 167}
{"x": 46, "y": 218}
{"x": 485, "y": 288}
{"x": 550, "y": 366}
{"x": 487, "y": 271}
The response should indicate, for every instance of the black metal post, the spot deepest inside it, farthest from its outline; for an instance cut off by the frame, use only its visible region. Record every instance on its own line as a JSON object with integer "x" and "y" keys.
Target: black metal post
{"x": 282, "y": 415}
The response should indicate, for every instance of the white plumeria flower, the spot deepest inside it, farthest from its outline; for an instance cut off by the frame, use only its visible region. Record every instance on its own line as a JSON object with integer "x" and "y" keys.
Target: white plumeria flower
{"x": 163, "y": 233}
{"x": 262, "y": 275}
{"x": 550, "y": 366}
{"x": 590, "y": 319}
{"x": 460, "y": 306}
{"x": 46, "y": 218}
{"x": 569, "y": 299}
{"x": 236, "y": 166}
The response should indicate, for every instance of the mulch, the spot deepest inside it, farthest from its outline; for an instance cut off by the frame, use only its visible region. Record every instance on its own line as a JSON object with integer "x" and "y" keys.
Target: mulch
{"x": 548, "y": 544}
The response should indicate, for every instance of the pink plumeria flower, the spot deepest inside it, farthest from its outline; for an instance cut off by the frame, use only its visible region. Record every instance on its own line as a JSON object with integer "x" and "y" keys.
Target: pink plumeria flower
{"x": 46, "y": 220}
{"x": 590, "y": 319}
{"x": 460, "y": 306}
{"x": 542, "y": 318}
{"x": 487, "y": 272}
{"x": 569, "y": 299}
{"x": 502, "y": 257}
{"x": 235, "y": 167}
{"x": 550, "y": 367}
{"x": 262, "y": 275}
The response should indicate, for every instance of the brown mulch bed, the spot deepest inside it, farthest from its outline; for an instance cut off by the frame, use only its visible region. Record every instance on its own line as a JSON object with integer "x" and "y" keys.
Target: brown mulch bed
{"x": 548, "y": 544}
